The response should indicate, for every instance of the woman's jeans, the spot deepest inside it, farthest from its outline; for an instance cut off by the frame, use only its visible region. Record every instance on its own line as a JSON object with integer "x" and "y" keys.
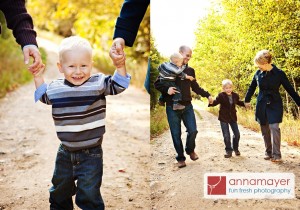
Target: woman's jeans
{"x": 187, "y": 115}
{"x": 226, "y": 136}
{"x": 85, "y": 166}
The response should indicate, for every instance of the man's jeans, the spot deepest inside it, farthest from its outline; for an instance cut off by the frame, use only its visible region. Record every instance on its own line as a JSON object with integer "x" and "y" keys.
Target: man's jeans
{"x": 187, "y": 115}
{"x": 226, "y": 136}
{"x": 85, "y": 166}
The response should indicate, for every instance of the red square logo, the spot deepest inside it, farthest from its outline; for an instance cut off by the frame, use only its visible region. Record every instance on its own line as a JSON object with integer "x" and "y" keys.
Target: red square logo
{"x": 216, "y": 185}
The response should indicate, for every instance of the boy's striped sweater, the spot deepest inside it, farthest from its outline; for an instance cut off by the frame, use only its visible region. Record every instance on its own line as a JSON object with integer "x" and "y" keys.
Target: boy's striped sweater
{"x": 79, "y": 111}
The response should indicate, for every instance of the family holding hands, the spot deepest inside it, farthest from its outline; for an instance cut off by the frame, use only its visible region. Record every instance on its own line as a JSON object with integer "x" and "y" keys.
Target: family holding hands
{"x": 176, "y": 79}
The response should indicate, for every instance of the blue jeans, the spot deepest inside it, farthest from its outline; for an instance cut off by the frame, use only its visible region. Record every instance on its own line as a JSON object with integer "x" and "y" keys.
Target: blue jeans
{"x": 226, "y": 135}
{"x": 175, "y": 117}
{"x": 85, "y": 166}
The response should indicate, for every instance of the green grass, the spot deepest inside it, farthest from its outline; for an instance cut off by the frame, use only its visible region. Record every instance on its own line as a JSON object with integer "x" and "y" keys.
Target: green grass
{"x": 158, "y": 121}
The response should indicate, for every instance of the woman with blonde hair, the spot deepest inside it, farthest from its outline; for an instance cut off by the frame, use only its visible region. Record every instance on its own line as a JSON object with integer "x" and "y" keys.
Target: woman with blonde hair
{"x": 269, "y": 106}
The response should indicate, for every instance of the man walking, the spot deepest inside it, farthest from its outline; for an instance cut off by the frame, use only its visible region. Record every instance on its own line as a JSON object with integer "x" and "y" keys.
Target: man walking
{"x": 186, "y": 115}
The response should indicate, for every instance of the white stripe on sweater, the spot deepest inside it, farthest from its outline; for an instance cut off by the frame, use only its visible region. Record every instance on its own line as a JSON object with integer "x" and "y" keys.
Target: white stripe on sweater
{"x": 79, "y": 128}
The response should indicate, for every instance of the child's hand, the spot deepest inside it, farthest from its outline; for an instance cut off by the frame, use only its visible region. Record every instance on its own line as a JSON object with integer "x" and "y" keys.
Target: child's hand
{"x": 40, "y": 71}
{"x": 190, "y": 77}
{"x": 117, "y": 55}
{"x": 210, "y": 100}
{"x": 247, "y": 105}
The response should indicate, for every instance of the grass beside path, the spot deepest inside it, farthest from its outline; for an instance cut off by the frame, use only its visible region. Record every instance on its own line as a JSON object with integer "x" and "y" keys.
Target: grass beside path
{"x": 158, "y": 121}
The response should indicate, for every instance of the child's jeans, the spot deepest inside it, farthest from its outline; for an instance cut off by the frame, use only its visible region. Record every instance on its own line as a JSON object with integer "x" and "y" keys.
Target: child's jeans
{"x": 85, "y": 166}
{"x": 226, "y": 135}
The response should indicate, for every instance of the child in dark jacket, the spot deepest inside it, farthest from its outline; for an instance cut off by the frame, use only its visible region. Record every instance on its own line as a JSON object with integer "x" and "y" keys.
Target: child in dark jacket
{"x": 227, "y": 116}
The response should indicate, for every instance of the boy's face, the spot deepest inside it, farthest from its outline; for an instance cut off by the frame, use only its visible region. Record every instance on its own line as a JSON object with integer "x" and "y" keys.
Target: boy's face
{"x": 178, "y": 62}
{"x": 227, "y": 89}
{"x": 76, "y": 65}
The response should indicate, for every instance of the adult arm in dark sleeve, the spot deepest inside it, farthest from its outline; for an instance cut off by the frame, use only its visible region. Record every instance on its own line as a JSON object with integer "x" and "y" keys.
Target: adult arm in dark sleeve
{"x": 128, "y": 22}
{"x": 289, "y": 88}
{"x": 251, "y": 90}
{"x": 19, "y": 21}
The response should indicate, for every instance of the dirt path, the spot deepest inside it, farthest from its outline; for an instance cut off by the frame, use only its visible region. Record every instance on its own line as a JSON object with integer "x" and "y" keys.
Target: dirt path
{"x": 28, "y": 146}
{"x": 173, "y": 188}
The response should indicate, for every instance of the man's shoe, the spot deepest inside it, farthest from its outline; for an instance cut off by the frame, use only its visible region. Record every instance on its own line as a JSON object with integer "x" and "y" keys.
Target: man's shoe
{"x": 228, "y": 155}
{"x": 237, "y": 153}
{"x": 181, "y": 164}
{"x": 178, "y": 107}
{"x": 193, "y": 156}
{"x": 161, "y": 103}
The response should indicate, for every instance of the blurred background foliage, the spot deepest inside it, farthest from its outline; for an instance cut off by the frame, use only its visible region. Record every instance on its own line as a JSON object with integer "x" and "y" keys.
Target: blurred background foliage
{"x": 91, "y": 19}
{"x": 95, "y": 21}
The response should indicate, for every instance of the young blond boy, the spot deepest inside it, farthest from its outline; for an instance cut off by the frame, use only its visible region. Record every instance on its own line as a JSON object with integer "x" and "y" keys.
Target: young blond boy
{"x": 227, "y": 116}
{"x": 78, "y": 109}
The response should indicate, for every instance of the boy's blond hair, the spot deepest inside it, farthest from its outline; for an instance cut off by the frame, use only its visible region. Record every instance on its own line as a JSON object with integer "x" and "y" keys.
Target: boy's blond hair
{"x": 226, "y": 82}
{"x": 73, "y": 42}
{"x": 175, "y": 57}
{"x": 263, "y": 57}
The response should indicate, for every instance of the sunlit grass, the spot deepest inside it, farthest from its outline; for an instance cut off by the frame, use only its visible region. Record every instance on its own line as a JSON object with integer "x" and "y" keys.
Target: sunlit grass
{"x": 158, "y": 121}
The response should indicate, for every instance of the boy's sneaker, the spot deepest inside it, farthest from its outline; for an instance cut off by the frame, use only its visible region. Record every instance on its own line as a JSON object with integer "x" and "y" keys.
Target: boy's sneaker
{"x": 178, "y": 107}
{"x": 228, "y": 155}
{"x": 161, "y": 103}
{"x": 237, "y": 152}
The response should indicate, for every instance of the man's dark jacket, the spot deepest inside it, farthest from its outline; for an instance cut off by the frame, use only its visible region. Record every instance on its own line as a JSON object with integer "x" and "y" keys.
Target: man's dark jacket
{"x": 227, "y": 112}
{"x": 185, "y": 87}
{"x": 19, "y": 21}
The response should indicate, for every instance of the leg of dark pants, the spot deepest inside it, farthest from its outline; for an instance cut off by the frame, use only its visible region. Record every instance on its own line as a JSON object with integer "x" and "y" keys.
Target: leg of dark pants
{"x": 174, "y": 119}
{"x": 236, "y": 135}
{"x": 189, "y": 120}
{"x": 63, "y": 182}
{"x": 276, "y": 140}
{"x": 226, "y": 136}
{"x": 89, "y": 171}
{"x": 265, "y": 130}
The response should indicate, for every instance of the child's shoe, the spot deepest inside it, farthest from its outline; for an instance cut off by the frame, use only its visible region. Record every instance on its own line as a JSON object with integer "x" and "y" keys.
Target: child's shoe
{"x": 237, "y": 152}
{"x": 228, "y": 155}
{"x": 178, "y": 107}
